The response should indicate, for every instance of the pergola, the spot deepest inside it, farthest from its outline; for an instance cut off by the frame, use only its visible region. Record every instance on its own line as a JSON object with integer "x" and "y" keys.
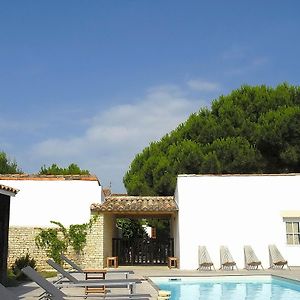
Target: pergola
{"x": 136, "y": 207}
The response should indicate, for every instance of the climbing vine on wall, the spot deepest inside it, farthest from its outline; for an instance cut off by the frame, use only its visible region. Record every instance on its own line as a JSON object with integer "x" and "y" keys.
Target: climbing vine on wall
{"x": 55, "y": 241}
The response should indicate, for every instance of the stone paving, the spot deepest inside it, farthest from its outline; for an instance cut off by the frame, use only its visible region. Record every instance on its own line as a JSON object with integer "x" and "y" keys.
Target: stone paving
{"x": 31, "y": 290}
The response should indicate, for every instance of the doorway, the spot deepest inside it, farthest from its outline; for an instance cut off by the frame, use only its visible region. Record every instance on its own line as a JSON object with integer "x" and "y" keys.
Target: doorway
{"x": 143, "y": 241}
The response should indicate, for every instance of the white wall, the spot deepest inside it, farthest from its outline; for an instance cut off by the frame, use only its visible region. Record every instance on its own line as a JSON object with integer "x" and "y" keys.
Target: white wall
{"x": 175, "y": 227}
{"x": 40, "y": 201}
{"x": 235, "y": 210}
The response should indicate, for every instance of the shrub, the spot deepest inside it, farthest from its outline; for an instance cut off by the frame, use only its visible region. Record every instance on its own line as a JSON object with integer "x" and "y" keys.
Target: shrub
{"x": 21, "y": 263}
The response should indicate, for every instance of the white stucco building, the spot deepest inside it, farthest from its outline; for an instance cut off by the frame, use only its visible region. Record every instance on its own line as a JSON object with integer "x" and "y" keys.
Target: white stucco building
{"x": 45, "y": 198}
{"x": 237, "y": 210}
{"x": 42, "y": 199}
{"x": 209, "y": 210}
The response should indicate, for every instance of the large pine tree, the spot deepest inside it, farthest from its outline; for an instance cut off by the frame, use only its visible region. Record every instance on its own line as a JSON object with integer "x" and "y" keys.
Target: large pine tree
{"x": 251, "y": 130}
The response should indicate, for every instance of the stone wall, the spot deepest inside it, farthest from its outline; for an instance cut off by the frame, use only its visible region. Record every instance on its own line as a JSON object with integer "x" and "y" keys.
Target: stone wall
{"x": 22, "y": 241}
{"x": 93, "y": 252}
{"x": 99, "y": 241}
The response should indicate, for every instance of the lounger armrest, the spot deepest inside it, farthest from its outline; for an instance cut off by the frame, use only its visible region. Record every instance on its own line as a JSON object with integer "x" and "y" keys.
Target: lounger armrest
{"x": 91, "y": 283}
{"x": 120, "y": 297}
{"x": 120, "y": 271}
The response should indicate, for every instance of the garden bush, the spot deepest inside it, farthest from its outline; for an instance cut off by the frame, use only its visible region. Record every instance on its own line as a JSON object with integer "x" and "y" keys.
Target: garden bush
{"x": 21, "y": 263}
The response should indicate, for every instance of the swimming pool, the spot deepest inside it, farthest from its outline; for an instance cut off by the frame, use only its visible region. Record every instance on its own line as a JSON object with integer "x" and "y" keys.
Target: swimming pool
{"x": 229, "y": 288}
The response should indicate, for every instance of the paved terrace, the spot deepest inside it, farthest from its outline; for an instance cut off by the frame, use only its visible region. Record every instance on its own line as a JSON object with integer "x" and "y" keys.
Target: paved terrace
{"x": 31, "y": 290}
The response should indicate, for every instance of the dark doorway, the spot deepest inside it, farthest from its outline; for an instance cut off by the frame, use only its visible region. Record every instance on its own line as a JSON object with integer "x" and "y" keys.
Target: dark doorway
{"x": 143, "y": 252}
{"x": 143, "y": 241}
{"x": 4, "y": 224}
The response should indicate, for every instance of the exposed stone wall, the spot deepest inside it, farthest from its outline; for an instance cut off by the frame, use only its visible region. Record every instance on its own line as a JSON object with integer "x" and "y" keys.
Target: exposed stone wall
{"x": 93, "y": 252}
{"x": 22, "y": 241}
{"x": 99, "y": 241}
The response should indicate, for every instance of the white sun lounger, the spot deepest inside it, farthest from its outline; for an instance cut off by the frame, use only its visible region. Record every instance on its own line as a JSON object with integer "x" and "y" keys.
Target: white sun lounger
{"x": 251, "y": 260}
{"x": 276, "y": 259}
{"x": 226, "y": 260}
{"x": 204, "y": 260}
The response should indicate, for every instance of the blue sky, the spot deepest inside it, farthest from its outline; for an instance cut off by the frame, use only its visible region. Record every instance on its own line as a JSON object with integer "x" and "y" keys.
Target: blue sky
{"x": 94, "y": 82}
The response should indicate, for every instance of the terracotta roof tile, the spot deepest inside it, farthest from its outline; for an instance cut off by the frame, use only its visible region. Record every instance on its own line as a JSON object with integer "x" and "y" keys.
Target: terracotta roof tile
{"x": 8, "y": 189}
{"x": 136, "y": 204}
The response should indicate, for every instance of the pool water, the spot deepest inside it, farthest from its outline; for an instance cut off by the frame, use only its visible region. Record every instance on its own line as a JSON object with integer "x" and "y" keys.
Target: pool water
{"x": 229, "y": 288}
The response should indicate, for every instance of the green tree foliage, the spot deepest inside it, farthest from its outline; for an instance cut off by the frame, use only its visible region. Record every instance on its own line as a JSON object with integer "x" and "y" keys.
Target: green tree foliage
{"x": 162, "y": 227}
{"x": 251, "y": 130}
{"x": 7, "y": 166}
{"x": 72, "y": 169}
{"x": 55, "y": 240}
{"x": 132, "y": 228}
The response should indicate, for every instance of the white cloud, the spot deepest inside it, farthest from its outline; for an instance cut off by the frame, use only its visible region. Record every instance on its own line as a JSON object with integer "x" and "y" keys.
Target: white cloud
{"x": 202, "y": 85}
{"x": 251, "y": 65}
{"x": 116, "y": 135}
{"x": 242, "y": 60}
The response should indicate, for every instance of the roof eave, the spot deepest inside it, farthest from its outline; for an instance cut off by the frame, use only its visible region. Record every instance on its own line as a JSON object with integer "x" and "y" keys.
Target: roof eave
{"x": 9, "y": 192}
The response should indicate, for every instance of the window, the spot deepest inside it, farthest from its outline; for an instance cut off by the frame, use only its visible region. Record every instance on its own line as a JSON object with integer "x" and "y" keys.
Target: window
{"x": 292, "y": 233}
